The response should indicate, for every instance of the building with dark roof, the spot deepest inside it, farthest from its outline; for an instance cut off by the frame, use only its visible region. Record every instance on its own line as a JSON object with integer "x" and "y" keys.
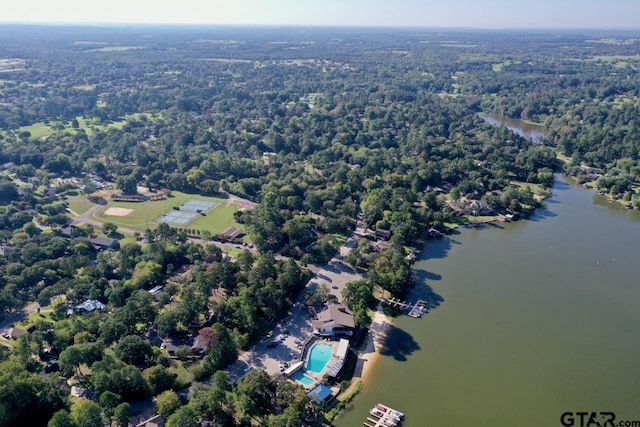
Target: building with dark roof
{"x": 100, "y": 243}
{"x": 335, "y": 320}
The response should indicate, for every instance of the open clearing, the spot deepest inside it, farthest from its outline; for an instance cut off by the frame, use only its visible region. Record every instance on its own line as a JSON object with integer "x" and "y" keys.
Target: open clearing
{"x": 143, "y": 215}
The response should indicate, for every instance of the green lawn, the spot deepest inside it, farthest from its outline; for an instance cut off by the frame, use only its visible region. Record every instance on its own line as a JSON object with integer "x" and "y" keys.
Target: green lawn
{"x": 38, "y": 130}
{"x": 34, "y": 317}
{"x": 41, "y": 130}
{"x": 79, "y": 204}
{"x": 144, "y": 215}
{"x": 184, "y": 375}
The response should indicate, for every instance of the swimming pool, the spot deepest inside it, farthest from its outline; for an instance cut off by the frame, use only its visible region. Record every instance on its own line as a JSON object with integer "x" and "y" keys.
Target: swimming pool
{"x": 305, "y": 380}
{"x": 319, "y": 356}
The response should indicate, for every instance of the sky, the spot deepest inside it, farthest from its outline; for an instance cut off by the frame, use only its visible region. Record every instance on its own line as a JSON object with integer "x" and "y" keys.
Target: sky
{"x": 583, "y": 14}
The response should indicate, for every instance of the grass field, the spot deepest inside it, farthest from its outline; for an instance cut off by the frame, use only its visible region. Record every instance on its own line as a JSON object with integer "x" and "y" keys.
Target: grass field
{"x": 146, "y": 214}
{"x": 41, "y": 130}
{"x": 79, "y": 204}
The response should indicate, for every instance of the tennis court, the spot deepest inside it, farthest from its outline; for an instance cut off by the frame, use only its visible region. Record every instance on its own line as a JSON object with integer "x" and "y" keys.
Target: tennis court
{"x": 198, "y": 206}
{"x": 187, "y": 212}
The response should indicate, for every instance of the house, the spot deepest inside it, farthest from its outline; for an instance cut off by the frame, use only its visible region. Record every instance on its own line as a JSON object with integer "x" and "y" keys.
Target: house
{"x": 90, "y": 305}
{"x": 335, "y": 320}
{"x": 67, "y": 231}
{"x": 15, "y": 333}
{"x": 231, "y": 233}
{"x": 383, "y": 234}
{"x": 121, "y": 197}
{"x": 204, "y": 340}
{"x": 156, "y": 292}
{"x": 100, "y": 243}
{"x": 7, "y": 165}
{"x": 79, "y": 391}
{"x": 321, "y": 393}
{"x": 381, "y": 245}
{"x": 169, "y": 346}
{"x": 483, "y": 207}
{"x": 6, "y": 250}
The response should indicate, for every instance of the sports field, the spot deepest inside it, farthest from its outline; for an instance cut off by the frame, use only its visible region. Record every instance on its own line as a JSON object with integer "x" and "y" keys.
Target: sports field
{"x": 218, "y": 213}
{"x": 186, "y": 213}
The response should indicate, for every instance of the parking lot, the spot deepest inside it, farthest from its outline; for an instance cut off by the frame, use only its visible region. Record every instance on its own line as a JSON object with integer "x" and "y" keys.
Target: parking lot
{"x": 335, "y": 275}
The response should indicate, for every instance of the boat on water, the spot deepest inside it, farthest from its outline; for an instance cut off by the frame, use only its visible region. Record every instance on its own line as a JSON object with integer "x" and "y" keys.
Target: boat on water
{"x": 376, "y": 413}
{"x": 384, "y": 410}
{"x": 390, "y": 422}
{"x": 418, "y": 309}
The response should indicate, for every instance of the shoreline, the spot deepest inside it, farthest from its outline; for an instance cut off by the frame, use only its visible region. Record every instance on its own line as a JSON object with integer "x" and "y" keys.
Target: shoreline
{"x": 370, "y": 353}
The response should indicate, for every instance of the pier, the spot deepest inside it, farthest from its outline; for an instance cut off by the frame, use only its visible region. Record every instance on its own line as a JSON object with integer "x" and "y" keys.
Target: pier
{"x": 383, "y": 416}
{"x": 414, "y": 309}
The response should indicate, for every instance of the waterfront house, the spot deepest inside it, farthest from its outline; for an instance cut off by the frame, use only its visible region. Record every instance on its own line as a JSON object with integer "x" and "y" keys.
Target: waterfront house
{"x": 335, "y": 320}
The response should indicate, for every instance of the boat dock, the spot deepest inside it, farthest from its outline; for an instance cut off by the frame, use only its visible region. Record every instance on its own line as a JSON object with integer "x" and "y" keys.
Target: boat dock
{"x": 414, "y": 309}
{"x": 418, "y": 309}
{"x": 383, "y": 416}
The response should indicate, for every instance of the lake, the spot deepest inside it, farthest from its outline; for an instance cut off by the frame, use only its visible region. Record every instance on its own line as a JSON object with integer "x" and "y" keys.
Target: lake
{"x": 537, "y": 317}
{"x": 529, "y": 130}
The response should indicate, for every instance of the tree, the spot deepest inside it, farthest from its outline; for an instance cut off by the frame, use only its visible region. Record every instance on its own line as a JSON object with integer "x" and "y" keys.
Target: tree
{"x": 167, "y": 403}
{"x": 223, "y": 352}
{"x": 109, "y": 228}
{"x": 133, "y": 350}
{"x": 122, "y": 414}
{"x": 127, "y": 183}
{"x": 185, "y": 416}
{"x": 158, "y": 379}
{"x": 209, "y": 187}
{"x": 222, "y": 381}
{"x": 86, "y": 413}
{"x": 62, "y": 418}
{"x": 71, "y": 359}
{"x": 8, "y": 192}
{"x": 109, "y": 401}
{"x": 259, "y": 388}
{"x": 167, "y": 323}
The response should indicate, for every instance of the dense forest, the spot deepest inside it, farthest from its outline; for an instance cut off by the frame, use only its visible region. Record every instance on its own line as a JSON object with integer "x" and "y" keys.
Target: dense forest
{"x": 318, "y": 126}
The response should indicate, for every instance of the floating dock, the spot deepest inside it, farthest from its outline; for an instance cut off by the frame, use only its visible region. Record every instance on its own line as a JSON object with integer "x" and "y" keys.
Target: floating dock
{"x": 383, "y": 416}
{"x": 414, "y": 310}
{"x": 418, "y": 309}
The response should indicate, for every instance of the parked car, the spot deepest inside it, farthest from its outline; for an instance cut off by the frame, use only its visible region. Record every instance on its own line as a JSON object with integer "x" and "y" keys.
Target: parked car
{"x": 272, "y": 344}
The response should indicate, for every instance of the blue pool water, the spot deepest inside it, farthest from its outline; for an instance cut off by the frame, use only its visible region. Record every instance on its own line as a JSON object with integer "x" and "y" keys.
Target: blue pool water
{"x": 319, "y": 357}
{"x": 300, "y": 376}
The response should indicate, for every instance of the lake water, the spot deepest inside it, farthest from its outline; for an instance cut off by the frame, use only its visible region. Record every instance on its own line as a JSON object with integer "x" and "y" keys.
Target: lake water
{"x": 528, "y": 130}
{"x": 536, "y": 318}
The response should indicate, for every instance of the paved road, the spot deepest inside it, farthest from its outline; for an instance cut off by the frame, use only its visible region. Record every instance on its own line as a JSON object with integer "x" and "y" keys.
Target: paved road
{"x": 88, "y": 218}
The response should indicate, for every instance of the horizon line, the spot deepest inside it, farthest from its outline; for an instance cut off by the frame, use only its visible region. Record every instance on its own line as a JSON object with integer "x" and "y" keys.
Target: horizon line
{"x": 288, "y": 25}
